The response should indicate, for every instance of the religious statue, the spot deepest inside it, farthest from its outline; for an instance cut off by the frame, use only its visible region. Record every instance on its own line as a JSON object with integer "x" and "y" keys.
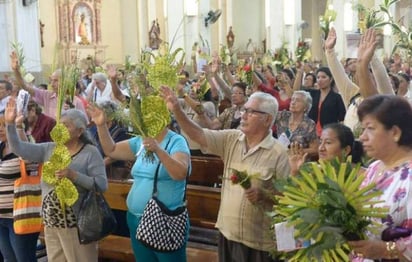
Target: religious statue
{"x": 41, "y": 33}
{"x": 250, "y": 46}
{"x": 230, "y": 38}
{"x": 82, "y": 31}
{"x": 154, "y": 35}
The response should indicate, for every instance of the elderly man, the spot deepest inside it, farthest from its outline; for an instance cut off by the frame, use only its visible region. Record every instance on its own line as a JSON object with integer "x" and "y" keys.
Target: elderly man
{"x": 45, "y": 98}
{"x": 245, "y": 233}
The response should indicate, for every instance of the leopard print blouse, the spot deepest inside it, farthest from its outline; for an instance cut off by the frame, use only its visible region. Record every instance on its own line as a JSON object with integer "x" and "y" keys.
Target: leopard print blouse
{"x": 52, "y": 213}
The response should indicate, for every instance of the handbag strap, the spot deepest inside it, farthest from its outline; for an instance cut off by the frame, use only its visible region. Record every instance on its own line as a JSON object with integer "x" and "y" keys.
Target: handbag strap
{"x": 154, "y": 192}
{"x": 23, "y": 171}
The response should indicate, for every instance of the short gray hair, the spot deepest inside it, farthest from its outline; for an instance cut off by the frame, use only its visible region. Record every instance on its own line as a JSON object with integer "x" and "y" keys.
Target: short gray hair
{"x": 99, "y": 76}
{"x": 307, "y": 99}
{"x": 268, "y": 103}
{"x": 79, "y": 120}
{"x": 109, "y": 107}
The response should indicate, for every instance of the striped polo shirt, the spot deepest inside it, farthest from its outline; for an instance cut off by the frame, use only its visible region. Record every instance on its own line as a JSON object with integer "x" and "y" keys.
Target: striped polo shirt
{"x": 9, "y": 172}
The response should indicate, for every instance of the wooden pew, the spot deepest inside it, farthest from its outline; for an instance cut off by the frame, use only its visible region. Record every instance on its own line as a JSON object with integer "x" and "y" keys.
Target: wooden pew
{"x": 203, "y": 200}
{"x": 206, "y": 171}
{"x": 203, "y": 204}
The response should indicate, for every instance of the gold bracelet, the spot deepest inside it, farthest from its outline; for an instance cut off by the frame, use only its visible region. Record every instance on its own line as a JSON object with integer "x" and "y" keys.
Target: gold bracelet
{"x": 392, "y": 250}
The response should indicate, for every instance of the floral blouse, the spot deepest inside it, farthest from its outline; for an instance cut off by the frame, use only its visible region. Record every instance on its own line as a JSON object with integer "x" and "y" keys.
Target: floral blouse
{"x": 304, "y": 134}
{"x": 396, "y": 186}
{"x": 230, "y": 118}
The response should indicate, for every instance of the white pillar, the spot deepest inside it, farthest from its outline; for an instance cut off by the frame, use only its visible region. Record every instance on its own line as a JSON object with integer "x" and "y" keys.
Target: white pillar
{"x": 6, "y": 32}
{"x": 28, "y": 34}
{"x": 339, "y": 7}
{"x": 292, "y": 19}
{"x": 317, "y": 51}
{"x": 130, "y": 9}
{"x": 143, "y": 25}
{"x": 275, "y": 31}
{"x": 204, "y": 8}
{"x": 175, "y": 24}
{"x": 223, "y": 27}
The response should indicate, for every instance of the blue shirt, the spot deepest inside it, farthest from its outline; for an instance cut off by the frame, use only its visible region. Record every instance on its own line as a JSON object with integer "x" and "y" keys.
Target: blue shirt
{"x": 169, "y": 191}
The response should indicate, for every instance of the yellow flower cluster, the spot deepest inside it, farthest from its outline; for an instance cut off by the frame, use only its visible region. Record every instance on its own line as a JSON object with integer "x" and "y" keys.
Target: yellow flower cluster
{"x": 164, "y": 70}
{"x": 155, "y": 115}
{"x": 60, "y": 159}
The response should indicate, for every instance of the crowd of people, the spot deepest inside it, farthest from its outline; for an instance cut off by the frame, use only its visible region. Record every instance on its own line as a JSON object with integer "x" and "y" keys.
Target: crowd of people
{"x": 267, "y": 128}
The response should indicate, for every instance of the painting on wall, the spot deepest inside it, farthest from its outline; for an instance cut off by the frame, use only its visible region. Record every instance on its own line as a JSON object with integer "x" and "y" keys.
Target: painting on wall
{"x": 83, "y": 24}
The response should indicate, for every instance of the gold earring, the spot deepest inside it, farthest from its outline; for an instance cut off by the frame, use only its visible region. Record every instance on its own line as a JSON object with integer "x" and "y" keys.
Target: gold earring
{"x": 396, "y": 139}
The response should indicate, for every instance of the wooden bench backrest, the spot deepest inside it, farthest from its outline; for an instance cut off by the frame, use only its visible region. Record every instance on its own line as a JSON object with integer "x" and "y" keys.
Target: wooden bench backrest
{"x": 206, "y": 171}
{"x": 202, "y": 202}
{"x": 116, "y": 194}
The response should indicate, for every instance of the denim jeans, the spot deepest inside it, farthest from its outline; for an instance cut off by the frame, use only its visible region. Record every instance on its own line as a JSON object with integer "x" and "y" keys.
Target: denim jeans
{"x": 16, "y": 248}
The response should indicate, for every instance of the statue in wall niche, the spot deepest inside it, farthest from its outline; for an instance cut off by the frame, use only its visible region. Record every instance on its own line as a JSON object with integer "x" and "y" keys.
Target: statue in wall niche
{"x": 41, "y": 33}
{"x": 230, "y": 38}
{"x": 154, "y": 35}
{"x": 264, "y": 45}
{"x": 250, "y": 46}
{"x": 82, "y": 31}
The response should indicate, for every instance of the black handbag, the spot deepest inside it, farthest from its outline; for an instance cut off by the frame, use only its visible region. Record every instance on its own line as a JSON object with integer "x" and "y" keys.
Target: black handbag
{"x": 392, "y": 234}
{"x": 160, "y": 228}
{"x": 96, "y": 219}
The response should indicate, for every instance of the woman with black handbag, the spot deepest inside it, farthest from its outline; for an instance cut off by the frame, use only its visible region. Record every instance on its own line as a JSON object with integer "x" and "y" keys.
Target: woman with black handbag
{"x": 84, "y": 172}
{"x": 158, "y": 190}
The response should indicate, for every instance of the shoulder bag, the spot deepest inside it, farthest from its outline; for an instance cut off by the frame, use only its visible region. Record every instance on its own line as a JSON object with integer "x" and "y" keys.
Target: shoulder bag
{"x": 160, "y": 228}
{"x": 96, "y": 219}
{"x": 27, "y": 202}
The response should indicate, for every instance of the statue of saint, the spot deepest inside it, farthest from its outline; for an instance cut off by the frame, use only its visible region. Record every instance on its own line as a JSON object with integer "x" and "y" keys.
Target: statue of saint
{"x": 154, "y": 35}
{"x": 230, "y": 38}
{"x": 82, "y": 31}
{"x": 250, "y": 46}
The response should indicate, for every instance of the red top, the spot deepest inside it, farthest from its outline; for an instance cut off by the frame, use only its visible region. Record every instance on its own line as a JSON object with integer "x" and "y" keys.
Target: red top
{"x": 283, "y": 104}
{"x": 42, "y": 128}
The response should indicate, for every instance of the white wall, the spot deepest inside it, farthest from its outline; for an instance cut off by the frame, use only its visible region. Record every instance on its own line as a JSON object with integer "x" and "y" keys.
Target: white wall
{"x": 20, "y": 24}
{"x": 248, "y": 22}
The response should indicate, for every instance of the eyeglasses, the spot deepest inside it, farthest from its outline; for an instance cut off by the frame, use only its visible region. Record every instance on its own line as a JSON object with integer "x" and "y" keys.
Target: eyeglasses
{"x": 250, "y": 111}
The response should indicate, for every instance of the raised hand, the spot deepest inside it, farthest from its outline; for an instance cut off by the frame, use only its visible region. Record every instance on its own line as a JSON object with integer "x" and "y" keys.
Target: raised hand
{"x": 111, "y": 71}
{"x": 296, "y": 157}
{"x": 169, "y": 97}
{"x": 207, "y": 69}
{"x": 367, "y": 46}
{"x": 11, "y": 111}
{"x": 330, "y": 41}
{"x": 14, "y": 61}
{"x": 96, "y": 114}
